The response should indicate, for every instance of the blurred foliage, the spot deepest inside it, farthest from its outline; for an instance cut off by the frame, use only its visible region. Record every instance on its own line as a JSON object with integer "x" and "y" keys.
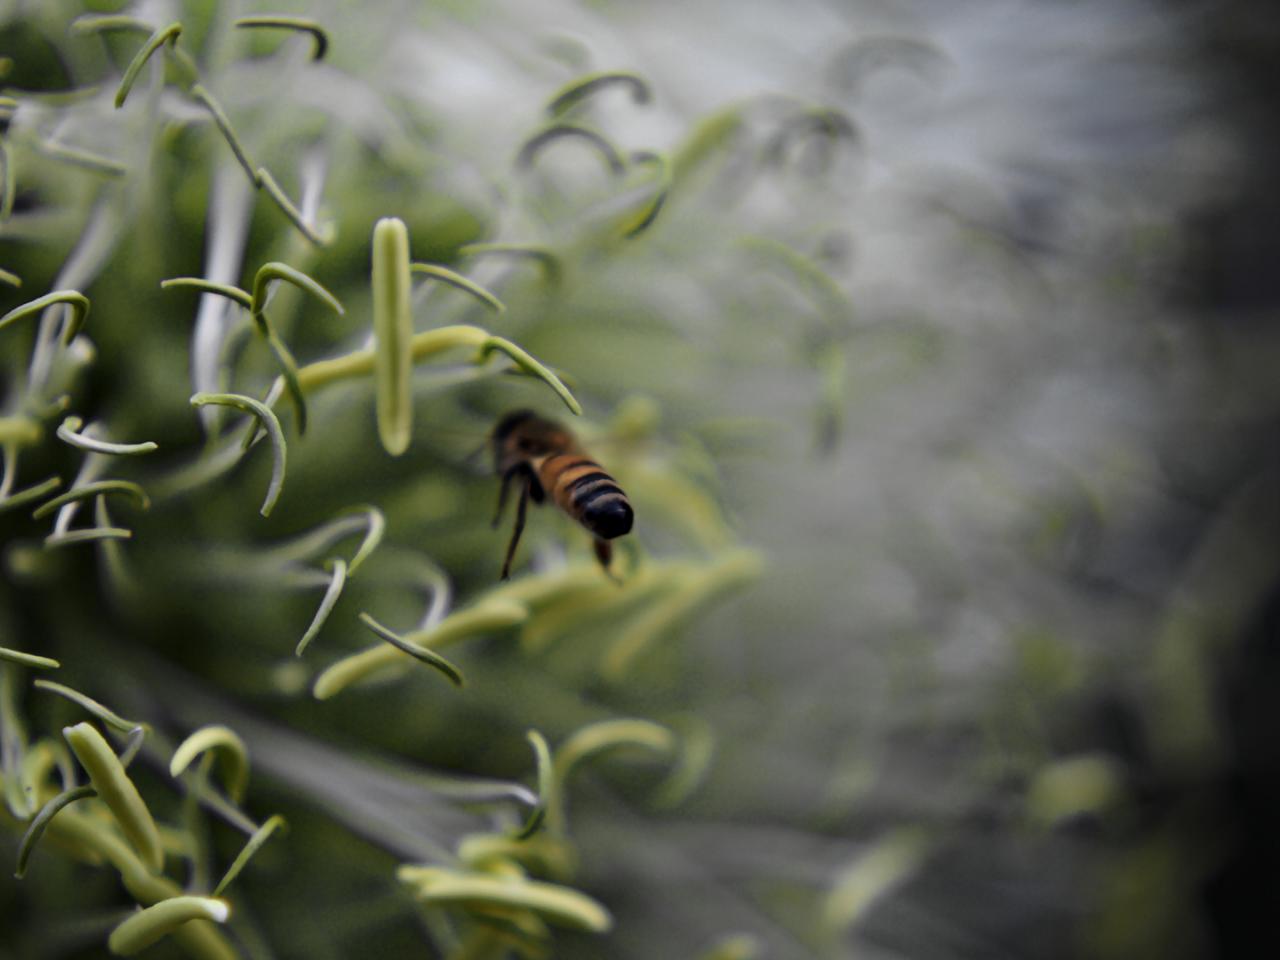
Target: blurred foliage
{"x": 921, "y": 642}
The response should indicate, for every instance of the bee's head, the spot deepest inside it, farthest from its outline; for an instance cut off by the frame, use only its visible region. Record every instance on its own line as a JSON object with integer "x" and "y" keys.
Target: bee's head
{"x": 510, "y": 422}
{"x": 522, "y": 434}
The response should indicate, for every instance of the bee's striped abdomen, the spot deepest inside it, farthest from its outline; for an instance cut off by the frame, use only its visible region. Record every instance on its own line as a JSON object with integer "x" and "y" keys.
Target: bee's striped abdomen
{"x": 587, "y": 493}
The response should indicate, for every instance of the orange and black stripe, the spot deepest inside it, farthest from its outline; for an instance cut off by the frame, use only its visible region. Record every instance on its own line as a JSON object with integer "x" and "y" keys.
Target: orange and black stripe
{"x": 584, "y": 491}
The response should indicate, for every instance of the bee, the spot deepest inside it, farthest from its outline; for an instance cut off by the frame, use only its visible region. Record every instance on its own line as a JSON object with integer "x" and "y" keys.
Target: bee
{"x": 545, "y": 460}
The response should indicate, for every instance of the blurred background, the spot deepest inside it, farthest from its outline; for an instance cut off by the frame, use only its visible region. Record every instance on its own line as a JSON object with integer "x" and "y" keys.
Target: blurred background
{"x": 935, "y": 345}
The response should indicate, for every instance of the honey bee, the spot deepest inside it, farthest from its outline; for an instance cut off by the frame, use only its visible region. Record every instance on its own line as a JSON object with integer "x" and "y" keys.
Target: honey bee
{"x": 544, "y": 459}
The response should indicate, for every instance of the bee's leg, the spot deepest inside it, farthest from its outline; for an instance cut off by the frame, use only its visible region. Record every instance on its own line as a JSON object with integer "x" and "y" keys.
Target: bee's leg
{"x": 604, "y": 553}
{"x": 521, "y": 509}
{"x": 502, "y": 494}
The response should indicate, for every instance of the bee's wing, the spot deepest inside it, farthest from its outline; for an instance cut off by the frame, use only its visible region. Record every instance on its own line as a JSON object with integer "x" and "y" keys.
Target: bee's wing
{"x": 472, "y": 459}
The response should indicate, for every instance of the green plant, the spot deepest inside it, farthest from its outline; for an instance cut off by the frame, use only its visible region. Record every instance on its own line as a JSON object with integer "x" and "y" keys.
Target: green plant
{"x": 480, "y": 900}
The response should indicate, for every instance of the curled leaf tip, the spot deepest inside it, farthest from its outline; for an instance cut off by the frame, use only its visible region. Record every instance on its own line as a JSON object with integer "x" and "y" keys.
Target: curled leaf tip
{"x": 644, "y": 217}
{"x": 609, "y": 735}
{"x": 111, "y": 719}
{"x": 561, "y": 130}
{"x": 42, "y": 819}
{"x": 482, "y": 618}
{"x": 546, "y": 786}
{"x": 210, "y": 286}
{"x": 461, "y": 283}
{"x": 299, "y": 24}
{"x": 96, "y": 488}
{"x": 68, "y": 432}
{"x": 275, "y": 434}
{"x": 145, "y": 927}
{"x": 424, "y": 654}
{"x": 168, "y": 35}
{"x": 579, "y": 90}
{"x": 282, "y": 271}
{"x": 530, "y": 366}
{"x": 228, "y": 743}
{"x": 76, "y": 300}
